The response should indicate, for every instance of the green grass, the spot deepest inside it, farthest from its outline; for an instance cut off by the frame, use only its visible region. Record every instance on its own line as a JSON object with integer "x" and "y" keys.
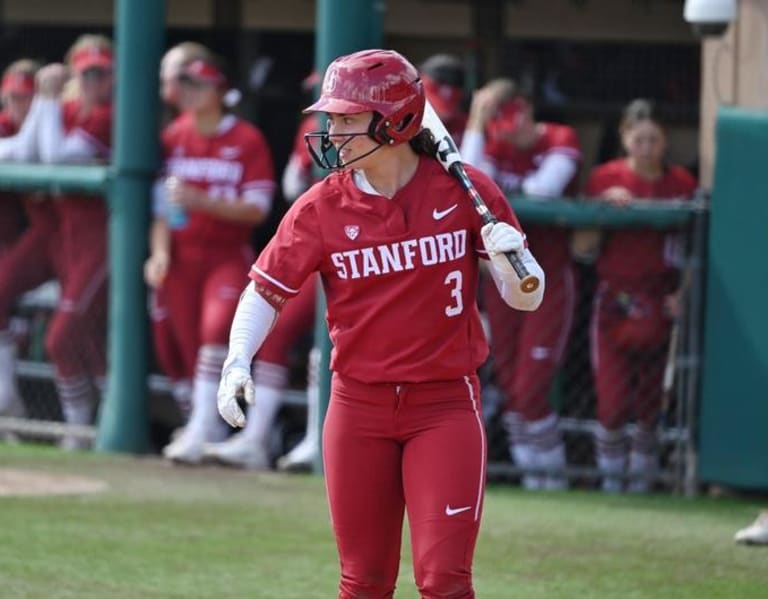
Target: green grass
{"x": 165, "y": 532}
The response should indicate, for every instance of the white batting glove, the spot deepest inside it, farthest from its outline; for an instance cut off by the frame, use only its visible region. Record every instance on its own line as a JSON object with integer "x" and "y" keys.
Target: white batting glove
{"x": 499, "y": 239}
{"x": 235, "y": 382}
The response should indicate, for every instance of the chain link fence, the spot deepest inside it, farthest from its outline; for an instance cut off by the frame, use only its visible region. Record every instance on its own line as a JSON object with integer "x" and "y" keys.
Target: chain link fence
{"x": 630, "y": 365}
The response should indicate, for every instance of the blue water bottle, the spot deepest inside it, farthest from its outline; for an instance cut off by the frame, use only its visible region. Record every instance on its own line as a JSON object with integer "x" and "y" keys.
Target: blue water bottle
{"x": 176, "y": 215}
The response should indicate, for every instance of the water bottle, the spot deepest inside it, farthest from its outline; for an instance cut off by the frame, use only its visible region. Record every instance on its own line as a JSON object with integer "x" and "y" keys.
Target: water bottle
{"x": 177, "y": 216}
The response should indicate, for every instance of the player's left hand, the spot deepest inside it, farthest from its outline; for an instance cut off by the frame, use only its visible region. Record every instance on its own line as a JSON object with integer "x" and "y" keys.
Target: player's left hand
{"x": 235, "y": 382}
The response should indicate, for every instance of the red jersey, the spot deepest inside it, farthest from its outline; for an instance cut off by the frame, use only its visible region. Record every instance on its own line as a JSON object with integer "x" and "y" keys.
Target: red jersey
{"x": 96, "y": 127}
{"x": 633, "y": 254}
{"x": 234, "y": 164}
{"x": 513, "y": 165}
{"x": 400, "y": 275}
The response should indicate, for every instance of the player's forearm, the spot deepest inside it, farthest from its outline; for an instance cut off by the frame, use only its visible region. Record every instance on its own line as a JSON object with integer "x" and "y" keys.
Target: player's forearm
{"x": 296, "y": 180}
{"x": 508, "y": 285}
{"x": 551, "y": 178}
{"x": 54, "y": 145}
{"x": 251, "y": 324}
{"x": 22, "y": 147}
{"x": 159, "y": 238}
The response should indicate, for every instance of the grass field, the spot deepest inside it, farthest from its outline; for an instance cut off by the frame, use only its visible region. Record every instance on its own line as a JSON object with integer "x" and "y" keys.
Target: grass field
{"x": 165, "y": 532}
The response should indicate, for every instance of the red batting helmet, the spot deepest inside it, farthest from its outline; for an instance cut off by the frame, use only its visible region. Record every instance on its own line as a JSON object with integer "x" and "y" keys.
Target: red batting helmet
{"x": 381, "y": 81}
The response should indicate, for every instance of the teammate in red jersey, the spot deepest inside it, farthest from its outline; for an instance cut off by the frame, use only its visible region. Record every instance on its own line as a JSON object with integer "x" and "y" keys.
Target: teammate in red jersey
{"x": 78, "y": 130}
{"x": 220, "y": 183}
{"x": 443, "y": 77}
{"x": 539, "y": 160}
{"x": 396, "y": 243}
{"x": 24, "y": 263}
{"x": 636, "y": 298}
{"x": 171, "y": 66}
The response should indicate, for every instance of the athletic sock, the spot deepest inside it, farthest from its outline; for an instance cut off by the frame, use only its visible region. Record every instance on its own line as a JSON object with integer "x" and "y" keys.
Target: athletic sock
{"x": 546, "y": 442}
{"x": 611, "y": 451}
{"x": 76, "y": 399}
{"x": 643, "y": 460}
{"x": 204, "y": 420}
{"x": 269, "y": 380}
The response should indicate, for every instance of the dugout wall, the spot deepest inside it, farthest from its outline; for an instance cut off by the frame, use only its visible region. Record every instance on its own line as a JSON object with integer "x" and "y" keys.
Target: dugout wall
{"x": 733, "y": 424}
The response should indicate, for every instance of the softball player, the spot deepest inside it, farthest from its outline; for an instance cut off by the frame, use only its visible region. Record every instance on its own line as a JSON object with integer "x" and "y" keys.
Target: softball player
{"x": 537, "y": 159}
{"x": 78, "y": 130}
{"x": 26, "y": 262}
{"x": 168, "y": 355}
{"x": 443, "y": 78}
{"x": 396, "y": 243}
{"x": 638, "y": 272}
{"x": 220, "y": 182}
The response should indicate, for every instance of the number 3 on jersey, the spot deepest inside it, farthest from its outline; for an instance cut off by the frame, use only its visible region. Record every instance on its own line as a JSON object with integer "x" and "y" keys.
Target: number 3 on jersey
{"x": 454, "y": 280}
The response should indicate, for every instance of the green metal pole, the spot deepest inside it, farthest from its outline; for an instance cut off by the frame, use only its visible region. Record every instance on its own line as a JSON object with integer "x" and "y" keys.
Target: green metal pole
{"x": 139, "y": 32}
{"x": 343, "y": 26}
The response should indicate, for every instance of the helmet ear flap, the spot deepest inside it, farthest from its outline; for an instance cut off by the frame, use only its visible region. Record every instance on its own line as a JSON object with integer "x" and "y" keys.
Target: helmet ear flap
{"x": 377, "y": 130}
{"x": 381, "y": 130}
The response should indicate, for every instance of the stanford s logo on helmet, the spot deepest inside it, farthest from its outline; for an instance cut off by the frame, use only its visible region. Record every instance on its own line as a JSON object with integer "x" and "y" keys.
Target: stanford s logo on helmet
{"x": 380, "y": 81}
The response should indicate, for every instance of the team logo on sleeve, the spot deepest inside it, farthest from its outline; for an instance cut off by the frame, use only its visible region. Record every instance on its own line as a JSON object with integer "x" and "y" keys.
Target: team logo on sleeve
{"x": 352, "y": 231}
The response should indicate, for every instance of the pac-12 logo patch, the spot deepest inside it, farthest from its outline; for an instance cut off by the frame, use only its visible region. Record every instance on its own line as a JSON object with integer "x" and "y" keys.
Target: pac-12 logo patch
{"x": 352, "y": 231}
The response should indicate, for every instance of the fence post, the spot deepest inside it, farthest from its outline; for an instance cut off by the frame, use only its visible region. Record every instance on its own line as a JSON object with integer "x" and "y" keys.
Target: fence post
{"x": 139, "y": 32}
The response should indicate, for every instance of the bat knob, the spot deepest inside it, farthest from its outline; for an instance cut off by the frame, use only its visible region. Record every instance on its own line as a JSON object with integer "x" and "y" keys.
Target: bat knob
{"x": 529, "y": 284}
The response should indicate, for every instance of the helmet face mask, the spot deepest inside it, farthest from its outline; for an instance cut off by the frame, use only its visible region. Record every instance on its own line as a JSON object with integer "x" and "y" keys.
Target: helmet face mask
{"x": 378, "y": 81}
{"x": 327, "y": 155}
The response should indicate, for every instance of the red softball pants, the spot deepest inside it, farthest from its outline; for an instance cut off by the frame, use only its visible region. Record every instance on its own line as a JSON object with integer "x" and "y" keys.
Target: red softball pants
{"x": 389, "y": 448}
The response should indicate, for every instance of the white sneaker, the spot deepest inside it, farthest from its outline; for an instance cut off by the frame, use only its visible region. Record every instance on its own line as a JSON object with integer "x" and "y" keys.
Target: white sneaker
{"x": 14, "y": 408}
{"x": 756, "y": 533}
{"x": 301, "y": 458}
{"x": 187, "y": 448}
{"x": 612, "y": 485}
{"x": 238, "y": 451}
{"x": 72, "y": 443}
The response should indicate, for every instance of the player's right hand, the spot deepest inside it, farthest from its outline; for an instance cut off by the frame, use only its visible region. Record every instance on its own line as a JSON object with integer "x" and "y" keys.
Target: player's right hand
{"x": 51, "y": 79}
{"x": 235, "y": 383}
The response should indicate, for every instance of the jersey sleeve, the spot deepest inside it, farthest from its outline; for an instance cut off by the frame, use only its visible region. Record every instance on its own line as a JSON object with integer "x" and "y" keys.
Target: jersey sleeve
{"x": 564, "y": 140}
{"x": 498, "y": 205}
{"x": 258, "y": 182}
{"x": 292, "y": 255}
